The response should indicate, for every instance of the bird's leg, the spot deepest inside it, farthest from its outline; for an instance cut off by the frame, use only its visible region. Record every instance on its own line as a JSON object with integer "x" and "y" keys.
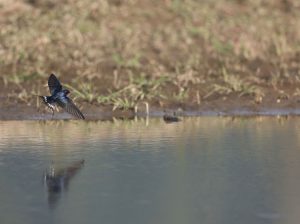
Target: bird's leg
{"x": 52, "y": 113}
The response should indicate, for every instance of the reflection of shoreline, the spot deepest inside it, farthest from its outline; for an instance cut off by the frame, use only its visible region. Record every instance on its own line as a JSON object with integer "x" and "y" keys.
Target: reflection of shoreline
{"x": 74, "y": 132}
{"x": 57, "y": 180}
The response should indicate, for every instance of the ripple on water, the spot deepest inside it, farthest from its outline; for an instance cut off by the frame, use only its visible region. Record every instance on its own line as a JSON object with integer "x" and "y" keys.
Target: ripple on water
{"x": 213, "y": 169}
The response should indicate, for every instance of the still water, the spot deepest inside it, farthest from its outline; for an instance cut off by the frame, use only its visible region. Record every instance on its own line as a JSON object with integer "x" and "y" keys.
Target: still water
{"x": 201, "y": 170}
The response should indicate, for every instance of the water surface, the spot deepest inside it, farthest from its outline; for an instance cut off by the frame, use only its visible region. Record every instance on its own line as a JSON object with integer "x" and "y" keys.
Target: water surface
{"x": 201, "y": 170}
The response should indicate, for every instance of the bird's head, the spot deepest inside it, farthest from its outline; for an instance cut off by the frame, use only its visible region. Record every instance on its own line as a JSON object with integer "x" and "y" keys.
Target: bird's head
{"x": 66, "y": 91}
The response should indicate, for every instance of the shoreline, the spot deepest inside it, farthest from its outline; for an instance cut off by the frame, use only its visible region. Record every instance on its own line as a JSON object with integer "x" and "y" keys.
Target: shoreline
{"x": 24, "y": 113}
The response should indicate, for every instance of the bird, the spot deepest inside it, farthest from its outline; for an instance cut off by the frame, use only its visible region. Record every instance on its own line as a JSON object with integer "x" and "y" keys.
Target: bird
{"x": 59, "y": 98}
{"x": 57, "y": 180}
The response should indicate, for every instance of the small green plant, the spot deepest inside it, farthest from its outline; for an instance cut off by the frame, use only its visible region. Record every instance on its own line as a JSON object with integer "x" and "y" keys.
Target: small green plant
{"x": 181, "y": 95}
{"x": 221, "y": 47}
{"x": 233, "y": 84}
{"x": 139, "y": 88}
{"x": 85, "y": 91}
{"x": 18, "y": 79}
{"x": 133, "y": 62}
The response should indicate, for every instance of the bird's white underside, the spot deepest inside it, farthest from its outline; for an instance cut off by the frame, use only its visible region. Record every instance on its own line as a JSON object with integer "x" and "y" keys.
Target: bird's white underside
{"x": 51, "y": 106}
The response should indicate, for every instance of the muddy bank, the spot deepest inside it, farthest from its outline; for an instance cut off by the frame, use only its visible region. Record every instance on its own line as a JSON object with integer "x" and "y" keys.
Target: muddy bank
{"x": 219, "y": 107}
{"x": 198, "y": 57}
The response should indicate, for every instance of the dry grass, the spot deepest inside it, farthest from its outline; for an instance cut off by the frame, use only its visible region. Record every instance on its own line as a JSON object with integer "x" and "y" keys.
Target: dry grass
{"x": 122, "y": 52}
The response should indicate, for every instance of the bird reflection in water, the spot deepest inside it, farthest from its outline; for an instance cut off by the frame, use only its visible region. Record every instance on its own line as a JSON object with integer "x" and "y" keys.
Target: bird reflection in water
{"x": 57, "y": 181}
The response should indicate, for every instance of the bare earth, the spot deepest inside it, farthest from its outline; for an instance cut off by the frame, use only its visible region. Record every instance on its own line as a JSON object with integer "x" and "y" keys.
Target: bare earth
{"x": 210, "y": 57}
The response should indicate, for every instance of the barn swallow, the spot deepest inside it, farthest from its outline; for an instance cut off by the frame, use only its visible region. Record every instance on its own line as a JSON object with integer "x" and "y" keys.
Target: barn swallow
{"x": 57, "y": 180}
{"x": 59, "y": 97}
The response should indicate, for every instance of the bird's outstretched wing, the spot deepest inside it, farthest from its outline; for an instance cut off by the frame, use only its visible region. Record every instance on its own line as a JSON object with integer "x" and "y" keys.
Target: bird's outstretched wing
{"x": 54, "y": 84}
{"x": 68, "y": 105}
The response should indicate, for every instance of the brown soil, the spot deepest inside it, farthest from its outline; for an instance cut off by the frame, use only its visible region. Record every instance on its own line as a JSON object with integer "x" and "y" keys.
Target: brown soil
{"x": 211, "y": 57}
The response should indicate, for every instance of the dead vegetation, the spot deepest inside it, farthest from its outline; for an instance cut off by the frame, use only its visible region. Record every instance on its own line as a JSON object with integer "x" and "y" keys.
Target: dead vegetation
{"x": 120, "y": 53}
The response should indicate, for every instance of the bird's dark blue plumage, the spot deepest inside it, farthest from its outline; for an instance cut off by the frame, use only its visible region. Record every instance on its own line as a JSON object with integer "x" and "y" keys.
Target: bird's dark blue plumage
{"x": 59, "y": 97}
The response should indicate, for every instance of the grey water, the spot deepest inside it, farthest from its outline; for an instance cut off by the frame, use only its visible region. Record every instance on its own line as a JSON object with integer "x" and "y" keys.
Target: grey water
{"x": 200, "y": 170}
